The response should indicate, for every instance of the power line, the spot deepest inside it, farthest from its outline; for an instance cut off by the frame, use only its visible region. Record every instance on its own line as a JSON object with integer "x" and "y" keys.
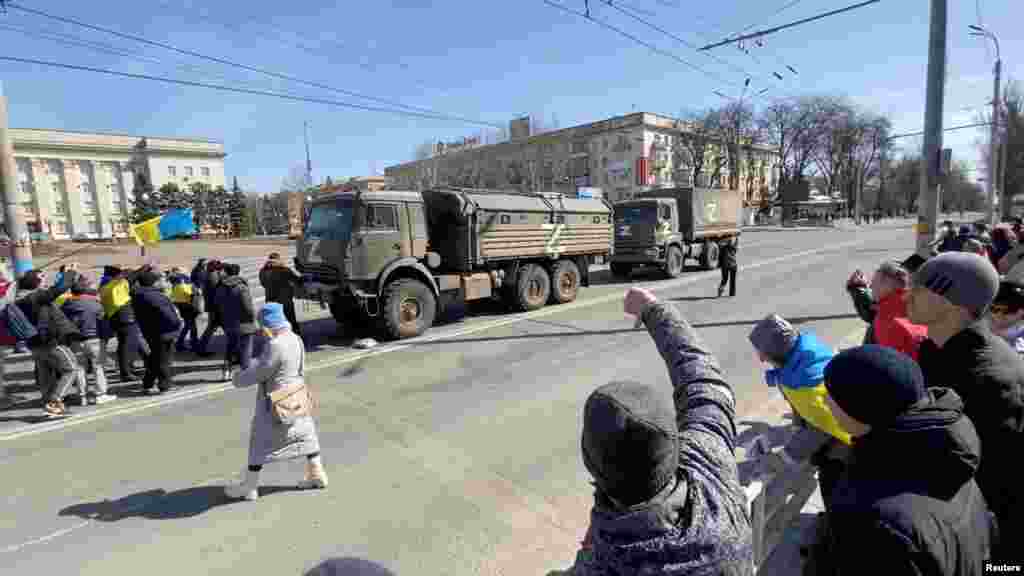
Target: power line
{"x": 790, "y": 25}
{"x": 239, "y": 65}
{"x": 222, "y": 88}
{"x": 954, "y": 128}
{"x": 647, "y": 45}
{"x": 787, "y": 6}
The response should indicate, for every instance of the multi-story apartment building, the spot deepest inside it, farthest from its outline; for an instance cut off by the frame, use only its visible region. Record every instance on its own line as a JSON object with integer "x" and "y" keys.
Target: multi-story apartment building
{"x": 75, "y": 184}
{"x": 621, "y": 156}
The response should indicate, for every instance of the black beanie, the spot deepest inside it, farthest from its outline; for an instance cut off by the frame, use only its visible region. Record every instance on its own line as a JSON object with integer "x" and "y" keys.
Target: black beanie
{"x": 148, "y": 278}
{"x": 874, "y": 384}
{"x": 630, "y": 440}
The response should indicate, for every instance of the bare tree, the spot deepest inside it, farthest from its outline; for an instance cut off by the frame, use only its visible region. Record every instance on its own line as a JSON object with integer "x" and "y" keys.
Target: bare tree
{"x": 737, "y": 130}
{"x": 700, "y": 133}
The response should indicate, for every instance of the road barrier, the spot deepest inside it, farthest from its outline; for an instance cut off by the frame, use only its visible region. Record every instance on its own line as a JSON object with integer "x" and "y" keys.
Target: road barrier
{"x": 774, "y": 502}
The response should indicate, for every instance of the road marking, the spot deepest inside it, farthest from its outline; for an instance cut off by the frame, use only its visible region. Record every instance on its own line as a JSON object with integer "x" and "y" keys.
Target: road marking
{"x": 654, "y": 286}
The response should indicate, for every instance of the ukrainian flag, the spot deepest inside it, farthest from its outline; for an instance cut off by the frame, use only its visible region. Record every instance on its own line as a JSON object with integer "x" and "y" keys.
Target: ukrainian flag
{"x": 176, "y": 222}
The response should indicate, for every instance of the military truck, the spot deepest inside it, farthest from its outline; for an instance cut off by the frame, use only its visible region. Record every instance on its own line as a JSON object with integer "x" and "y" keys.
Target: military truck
{"x": 394, "y": 259}
{"x": 665, "y": 227}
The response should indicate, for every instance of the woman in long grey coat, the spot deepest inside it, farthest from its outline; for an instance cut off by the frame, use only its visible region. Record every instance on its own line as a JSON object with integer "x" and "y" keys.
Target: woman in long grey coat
{"x": 279, "y": 367}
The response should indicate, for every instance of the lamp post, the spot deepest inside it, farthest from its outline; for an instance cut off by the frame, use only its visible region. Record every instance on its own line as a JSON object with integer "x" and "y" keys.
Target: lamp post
{"x": 993, "y": 178}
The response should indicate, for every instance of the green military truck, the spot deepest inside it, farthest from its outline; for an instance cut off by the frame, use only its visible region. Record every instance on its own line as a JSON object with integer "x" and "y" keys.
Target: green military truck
{"x": 394, "y": 258}
{"x": 665, "y": 227}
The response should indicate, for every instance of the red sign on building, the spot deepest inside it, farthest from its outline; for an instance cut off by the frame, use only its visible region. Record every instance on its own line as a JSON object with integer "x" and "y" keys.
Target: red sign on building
{"x": 642, "y": 176}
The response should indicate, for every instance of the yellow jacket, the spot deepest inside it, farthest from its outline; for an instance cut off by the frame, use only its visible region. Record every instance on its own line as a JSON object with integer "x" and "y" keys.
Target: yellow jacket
{"x": 114, "y": 295}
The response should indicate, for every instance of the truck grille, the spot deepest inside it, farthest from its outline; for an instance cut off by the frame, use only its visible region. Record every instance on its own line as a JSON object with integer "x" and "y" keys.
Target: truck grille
{"x": 324, "y": 273}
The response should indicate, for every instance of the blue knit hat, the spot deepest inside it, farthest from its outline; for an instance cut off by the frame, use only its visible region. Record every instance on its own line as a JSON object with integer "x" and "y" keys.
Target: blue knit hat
{"x": 272, "y": 316}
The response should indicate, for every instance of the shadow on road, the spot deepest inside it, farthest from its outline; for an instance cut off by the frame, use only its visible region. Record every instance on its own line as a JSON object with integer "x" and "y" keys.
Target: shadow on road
{"x": 159, "y": 504}
{"x": 349, "y": 567}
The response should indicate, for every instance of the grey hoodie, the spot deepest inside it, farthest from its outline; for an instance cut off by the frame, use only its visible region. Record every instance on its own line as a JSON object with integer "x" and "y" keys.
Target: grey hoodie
{"x": 698, "y": 525}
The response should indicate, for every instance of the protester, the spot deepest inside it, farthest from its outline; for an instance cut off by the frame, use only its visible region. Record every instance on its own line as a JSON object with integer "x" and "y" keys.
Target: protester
{"x": 182, "y": 293}
{"x": 667, "y": 499}
{"x": 907, "y": 502}
{"x": 951, "y": 294}
{"x": 8, "y": 291}
{"x": 1007, "y": 314}
{"x": 84, "y": 309}
{"x": 279, "y": 377}
{"x": 863, "y": 303}
{"x": 159, "y": 322}
{"x": 891, "y": 327}
{"x": 798, "y": 361}
{"x": 238, "y": 318}
{"x": 213, "y": 275}
{"x": 279, "y": 283}
{"x": 727, "y": 261}
{"x": 56, "y": 366}
{"x": 116, "y": 297}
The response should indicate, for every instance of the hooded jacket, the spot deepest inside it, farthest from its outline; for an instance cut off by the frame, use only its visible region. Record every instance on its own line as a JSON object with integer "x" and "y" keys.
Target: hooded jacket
{"x": 893, "y": 330}
{"x": 235, "y": 303}
{"x": 157, "y": 316}
{"x": 40, "y": 308}
{"x": 697, "y": 524}
{"x": 727, "y": 254}
{"x": 989, "y": 376}
{"x": 908, "y": 502}
{"x": 279, "y": 282}
{"x": 210, "y": 289}
{"x": 84, "y": 309}
{"x": 801, "y": 381}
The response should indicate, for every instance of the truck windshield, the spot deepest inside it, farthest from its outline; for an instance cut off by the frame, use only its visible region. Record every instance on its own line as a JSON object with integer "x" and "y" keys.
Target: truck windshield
{"x": 644, "y": 213}
{"x": 331, "y": 220}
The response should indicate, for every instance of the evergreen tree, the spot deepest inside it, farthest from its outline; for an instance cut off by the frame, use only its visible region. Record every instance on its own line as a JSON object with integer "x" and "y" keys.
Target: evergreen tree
{"x": 200, "y": 194}
{"x": 143, "y": 202}
{"x": 218, "y": 210}
{"x": 236, "y": 209}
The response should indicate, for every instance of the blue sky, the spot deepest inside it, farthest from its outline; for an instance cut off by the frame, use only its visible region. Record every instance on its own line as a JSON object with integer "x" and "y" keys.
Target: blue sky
{"x": 490, "y": 60}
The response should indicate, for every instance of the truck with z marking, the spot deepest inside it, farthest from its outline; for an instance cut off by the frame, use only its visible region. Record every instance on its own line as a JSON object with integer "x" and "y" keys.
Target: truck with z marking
{"x": 392, "y": 259}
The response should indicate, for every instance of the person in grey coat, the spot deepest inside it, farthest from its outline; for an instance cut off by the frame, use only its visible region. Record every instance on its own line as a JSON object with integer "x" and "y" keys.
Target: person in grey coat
{"x": 280, "y": 367}
{"x": 668, "y": 499}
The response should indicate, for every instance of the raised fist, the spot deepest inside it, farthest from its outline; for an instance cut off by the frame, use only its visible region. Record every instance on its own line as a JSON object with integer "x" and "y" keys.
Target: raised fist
{"x": 637, "y": 300}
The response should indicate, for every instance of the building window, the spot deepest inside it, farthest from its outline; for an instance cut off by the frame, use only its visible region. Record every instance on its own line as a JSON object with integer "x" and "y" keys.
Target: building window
{"x": 205, "y": 171}
{"x": 60, "y": 208}
{"x": 188, "y": 171}
{"x": 172, "y": 171}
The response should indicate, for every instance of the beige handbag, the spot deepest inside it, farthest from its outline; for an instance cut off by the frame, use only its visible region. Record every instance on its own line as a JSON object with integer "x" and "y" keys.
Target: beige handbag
{"x": 292, "y": 402}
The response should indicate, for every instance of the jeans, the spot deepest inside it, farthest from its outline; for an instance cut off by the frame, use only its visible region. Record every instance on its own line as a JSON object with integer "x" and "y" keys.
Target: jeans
{"x": 189, "y": 329}
{"x": 158, "y": 364}
{"x": 92, "y": 358}
{"x": 728, "y": 277}
{"x": 239, "y": 348}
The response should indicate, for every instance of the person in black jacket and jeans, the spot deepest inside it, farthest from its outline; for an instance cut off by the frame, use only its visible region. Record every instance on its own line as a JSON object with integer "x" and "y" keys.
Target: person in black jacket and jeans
{"x": 84, "y": 309}
{"x": 951, "y": 294}
{"x": 727, "y": 262}
{"x": 159, "y": 321}
{"x": 907, "y": 502}
{"x": 211, "y": 278}
{"x": 56, "y": 366}
{"x": 238, "y": 318}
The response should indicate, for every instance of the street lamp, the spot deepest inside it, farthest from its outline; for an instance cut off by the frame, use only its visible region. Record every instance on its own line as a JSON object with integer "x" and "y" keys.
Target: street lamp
{"x": 992, "y": 214}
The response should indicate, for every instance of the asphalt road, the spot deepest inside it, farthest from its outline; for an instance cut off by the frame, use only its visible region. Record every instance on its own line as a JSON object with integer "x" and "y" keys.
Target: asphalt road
{"x": 457, "y": 453}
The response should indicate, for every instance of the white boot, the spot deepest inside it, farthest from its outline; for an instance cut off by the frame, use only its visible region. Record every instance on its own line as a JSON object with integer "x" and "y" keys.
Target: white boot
{"x": 316, "y": 476}
{"x": 248, "y": 489}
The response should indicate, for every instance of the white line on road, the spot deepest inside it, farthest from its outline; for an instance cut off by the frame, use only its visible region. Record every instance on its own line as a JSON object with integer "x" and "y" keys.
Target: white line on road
{"x": 656, "y": 286}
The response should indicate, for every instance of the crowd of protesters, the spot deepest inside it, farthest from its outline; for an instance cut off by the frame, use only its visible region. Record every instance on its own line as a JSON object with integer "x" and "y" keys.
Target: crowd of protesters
{"x": 68, "y": 324}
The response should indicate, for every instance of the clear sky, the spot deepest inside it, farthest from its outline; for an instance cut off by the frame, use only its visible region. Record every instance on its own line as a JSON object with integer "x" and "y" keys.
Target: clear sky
{"x": 484, "y": 59}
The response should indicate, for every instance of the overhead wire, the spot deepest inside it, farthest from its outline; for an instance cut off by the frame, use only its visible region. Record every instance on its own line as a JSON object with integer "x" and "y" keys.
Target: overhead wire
{"x": 280, "y": 95}
{"x": 226, "y": 62}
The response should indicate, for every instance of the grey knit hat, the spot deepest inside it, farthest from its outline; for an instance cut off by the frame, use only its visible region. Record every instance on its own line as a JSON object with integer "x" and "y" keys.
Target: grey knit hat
{"x": 774, "y": 337}
{"x": 964, "y": 279}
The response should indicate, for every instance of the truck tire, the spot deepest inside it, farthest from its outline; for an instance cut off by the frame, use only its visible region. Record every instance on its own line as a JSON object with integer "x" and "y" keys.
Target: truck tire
{"x": 408, "y": 309}
{"x": 532, "y": 288}
{"x": 565, "y": 282}
{"x": 709, "y": 255}
{"x": 620, "y": 269}
{"x": 674, "y": 262}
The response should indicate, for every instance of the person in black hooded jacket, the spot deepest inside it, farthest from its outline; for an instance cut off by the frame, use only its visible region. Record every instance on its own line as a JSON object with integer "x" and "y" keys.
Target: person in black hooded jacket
{"x": 907, "y": 502}
{"x": 210, "y": 279}
{"x": 238, "y": 318}
{"x": 159, "y": 321}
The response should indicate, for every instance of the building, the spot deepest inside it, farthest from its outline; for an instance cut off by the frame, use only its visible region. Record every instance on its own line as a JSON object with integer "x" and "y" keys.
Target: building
{"x": 78, "y": 184}
{"x": 621, "y": 156}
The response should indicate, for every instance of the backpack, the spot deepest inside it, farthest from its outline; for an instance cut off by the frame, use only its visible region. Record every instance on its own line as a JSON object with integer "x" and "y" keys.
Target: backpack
{"x": 17, "y": 323}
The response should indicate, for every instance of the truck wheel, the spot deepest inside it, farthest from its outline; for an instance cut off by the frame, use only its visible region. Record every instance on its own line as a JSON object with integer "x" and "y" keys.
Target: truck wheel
{"x": 408, "y": 309}
{"x": 709, "y": 255}
{"x": 620, "y": 270}
{"x": 533, "y": 286}
{"x": 565, "y": 282}
{"x": 674, "y": 262}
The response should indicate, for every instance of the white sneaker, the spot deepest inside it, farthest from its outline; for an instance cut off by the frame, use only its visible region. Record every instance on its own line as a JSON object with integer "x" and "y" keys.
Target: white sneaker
{"x": 104, "y": 398}
{"x": 247, "y": 489}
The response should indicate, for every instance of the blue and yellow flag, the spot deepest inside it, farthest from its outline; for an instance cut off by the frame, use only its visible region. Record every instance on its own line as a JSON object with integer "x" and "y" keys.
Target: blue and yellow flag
{"x": 176, "y": 222}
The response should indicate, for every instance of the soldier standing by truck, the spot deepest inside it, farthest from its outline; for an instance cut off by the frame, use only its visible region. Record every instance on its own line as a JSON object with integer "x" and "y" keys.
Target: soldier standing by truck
{"x": 727, "y": 260}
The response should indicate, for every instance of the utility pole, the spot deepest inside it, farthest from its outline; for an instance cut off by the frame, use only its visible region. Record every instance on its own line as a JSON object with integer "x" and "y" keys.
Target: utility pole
{"x": 1007, "y": 203}
{"x": 993, "y": 146}
{"x": 14, "y": 219}
{"x": 928, "y": 214}
{"x": 309, "y": 163}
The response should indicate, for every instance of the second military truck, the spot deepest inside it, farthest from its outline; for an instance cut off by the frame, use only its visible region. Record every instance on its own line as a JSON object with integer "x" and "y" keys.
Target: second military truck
{"x": 665, "y": 227}
{"x": 395, "y": 258}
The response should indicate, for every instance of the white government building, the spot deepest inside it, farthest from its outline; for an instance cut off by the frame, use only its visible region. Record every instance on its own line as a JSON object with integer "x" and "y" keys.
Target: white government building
{"x": 80, "y": 184}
